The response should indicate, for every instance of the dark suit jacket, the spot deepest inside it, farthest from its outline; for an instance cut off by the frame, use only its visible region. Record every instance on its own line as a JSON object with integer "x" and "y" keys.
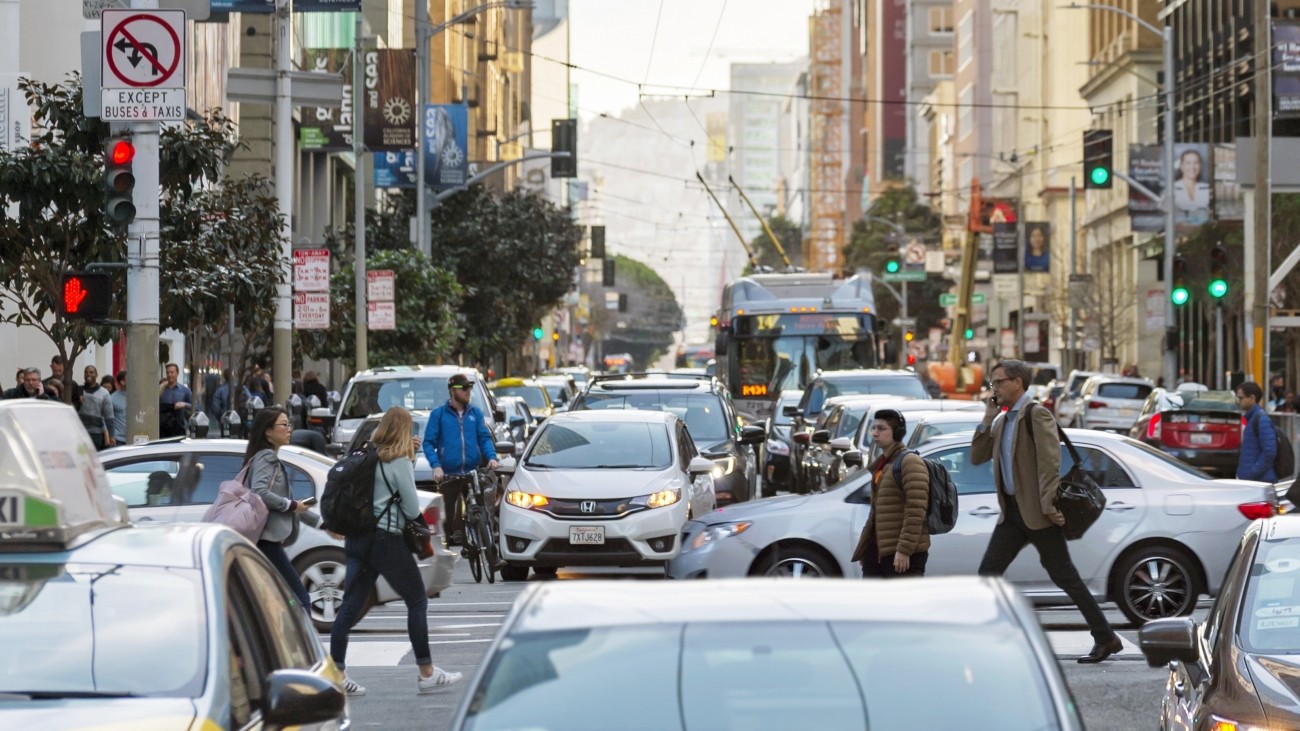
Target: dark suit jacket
{"x": 1036, "y": 462}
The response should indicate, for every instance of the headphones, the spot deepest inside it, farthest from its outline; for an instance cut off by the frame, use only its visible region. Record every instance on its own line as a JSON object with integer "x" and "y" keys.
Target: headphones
{"x": 900, "y": 430}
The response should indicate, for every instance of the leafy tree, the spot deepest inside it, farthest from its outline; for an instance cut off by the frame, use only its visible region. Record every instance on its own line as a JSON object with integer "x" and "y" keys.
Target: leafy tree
{"x": 791, "y": 238}
{"x": 428, "y": 299}
{"x": 872, "y": 243}
{"x": 651, "y": 318}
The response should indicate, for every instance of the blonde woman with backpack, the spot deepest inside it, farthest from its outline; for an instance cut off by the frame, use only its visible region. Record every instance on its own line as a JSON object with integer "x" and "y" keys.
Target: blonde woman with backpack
{"x": 383, "y": 552}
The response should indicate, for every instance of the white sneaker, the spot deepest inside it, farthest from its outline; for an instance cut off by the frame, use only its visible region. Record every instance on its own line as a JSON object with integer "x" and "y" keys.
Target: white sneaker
{"x": 440, "y": 680}
{"x": 351, "y": 687}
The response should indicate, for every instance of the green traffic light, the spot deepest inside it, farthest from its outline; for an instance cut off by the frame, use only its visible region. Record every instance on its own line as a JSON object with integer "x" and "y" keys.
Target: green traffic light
{"x": 537, "y": 333}
{"x": 1099, "y": 175}
{"x": 1218, "y": 288}
{"x": 1180, "y": 295}
{"x": 891, "y": 266}
{"x": 969, "y": 333}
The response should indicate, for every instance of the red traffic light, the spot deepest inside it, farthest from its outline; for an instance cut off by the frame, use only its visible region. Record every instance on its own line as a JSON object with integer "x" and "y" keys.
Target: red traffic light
{"x": 122, "y": 152}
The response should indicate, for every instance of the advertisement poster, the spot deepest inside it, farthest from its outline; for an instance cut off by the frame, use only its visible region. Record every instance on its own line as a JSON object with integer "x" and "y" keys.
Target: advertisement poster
{"x": 1005, "y": 246}
{"x": 1227, "y": 196}
{"x": 322, "y": 128}
{"x": 1286, "y": 69}
{"x": 389, "y": 96}
{"x": 395, "y": 169}
{"x": 1038, "y": 246}
{"x": 1145, "y": 166}
{"x": 446, "y": 135}
{"x": 1192, "y": 175}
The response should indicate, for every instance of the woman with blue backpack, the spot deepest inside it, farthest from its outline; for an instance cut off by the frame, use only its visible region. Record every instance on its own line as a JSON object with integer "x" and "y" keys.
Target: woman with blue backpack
{"x": 895, "y": 542}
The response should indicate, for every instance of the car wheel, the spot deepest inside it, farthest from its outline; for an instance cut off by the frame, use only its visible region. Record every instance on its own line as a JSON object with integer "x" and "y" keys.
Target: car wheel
{"x": 322, "y": 572}
{"x": 1155, "y": 583}
{"x": 794, "y": 563}
{"x": 511, "y": 572}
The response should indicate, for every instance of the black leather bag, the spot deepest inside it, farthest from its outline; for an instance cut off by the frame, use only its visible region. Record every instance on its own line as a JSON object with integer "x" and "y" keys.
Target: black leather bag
{"x": 418, "y": 537}
{"x": 1078, "y": 497}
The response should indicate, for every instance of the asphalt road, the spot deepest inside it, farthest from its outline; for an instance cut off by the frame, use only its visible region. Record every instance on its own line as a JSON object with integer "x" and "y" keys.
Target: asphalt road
{"x": 1118, "y": 695}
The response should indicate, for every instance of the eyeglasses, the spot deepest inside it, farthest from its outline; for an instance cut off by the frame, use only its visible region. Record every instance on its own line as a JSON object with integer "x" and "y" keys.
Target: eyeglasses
{"x": 282, "y": 424}
{"x": 999, "y": 381}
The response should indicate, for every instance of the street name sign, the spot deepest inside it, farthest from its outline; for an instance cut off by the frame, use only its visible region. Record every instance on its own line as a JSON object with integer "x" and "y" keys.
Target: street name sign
{"x": 905, "y": 275}
{"x": 948, "y": 299}
{"x": 143, "y": 65}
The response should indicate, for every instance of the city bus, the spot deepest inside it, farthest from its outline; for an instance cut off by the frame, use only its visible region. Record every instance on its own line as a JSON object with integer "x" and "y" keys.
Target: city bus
{"x": 776, "y": 331}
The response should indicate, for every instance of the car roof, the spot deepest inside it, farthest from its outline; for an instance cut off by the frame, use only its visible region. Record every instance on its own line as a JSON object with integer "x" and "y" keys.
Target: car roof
{"x": 398, "y": 373}
{"x": 931, "y": 417}
{"x": 652, "y": 383}
{"x": 860, "y": 372}
{"x": 613, "y": 415}
{"x": 566, "y": 605}
{"x": 168, "y": 545}
{"x": 1110, "y": 378}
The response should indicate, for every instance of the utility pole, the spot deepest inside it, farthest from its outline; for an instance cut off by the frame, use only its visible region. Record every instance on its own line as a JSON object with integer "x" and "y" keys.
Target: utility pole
{"x": 358, "y": 194}
{"x": 1256, "y": 255}
{"x": 1171, "y": 355}
{"x": 142, "y": 303}
{"x": 282, "y": 335}
{"x": 1074, "y": 258}
{"x": 422, "y": 234}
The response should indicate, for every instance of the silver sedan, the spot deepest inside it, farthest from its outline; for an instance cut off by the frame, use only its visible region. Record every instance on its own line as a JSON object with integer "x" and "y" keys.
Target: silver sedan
{"x": 1166, "y": 536}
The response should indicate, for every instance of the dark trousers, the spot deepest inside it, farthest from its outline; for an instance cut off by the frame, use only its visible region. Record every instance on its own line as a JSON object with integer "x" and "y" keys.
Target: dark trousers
{"x": 381, "y": 554}
{"x": 1011, "y": 535}
{"x": 453, "y": 489}
{"x": 876, "y": 567}
{"x": 274, "y": 551}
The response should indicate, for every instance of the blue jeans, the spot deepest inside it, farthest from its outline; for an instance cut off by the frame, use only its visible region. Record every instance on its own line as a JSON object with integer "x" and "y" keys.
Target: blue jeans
{"x": 274, "y": 551}
{"x": 381, "y": 554}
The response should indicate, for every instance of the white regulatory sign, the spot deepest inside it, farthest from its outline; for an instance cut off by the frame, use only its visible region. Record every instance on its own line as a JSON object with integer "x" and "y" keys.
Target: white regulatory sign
{"x": 381, "y": 315}
{"x": 311, "y": 270}
{"x": 380, "y": 286}
{"x": 143, "y": 65}
{"x": 311, "y": 310}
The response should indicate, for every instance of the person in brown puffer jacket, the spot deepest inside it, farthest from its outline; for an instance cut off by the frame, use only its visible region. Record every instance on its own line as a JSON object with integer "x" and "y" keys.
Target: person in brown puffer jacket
{"x": 894, "y": 542}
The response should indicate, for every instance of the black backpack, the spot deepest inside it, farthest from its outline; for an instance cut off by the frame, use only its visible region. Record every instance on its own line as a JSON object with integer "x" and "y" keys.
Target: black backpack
{"x": 1284, "y": 462}
{"x": 347, "y": 505}
{"x": 941, "y": 514}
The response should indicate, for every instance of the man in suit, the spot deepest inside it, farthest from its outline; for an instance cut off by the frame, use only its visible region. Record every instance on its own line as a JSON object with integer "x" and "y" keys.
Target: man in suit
{"x": 1026, "y": 451}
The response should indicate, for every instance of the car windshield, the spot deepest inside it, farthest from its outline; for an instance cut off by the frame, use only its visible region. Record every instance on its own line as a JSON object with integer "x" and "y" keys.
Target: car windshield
{"x": 555, "y": 391}
{"x": 426, "y": 392}
{"x": 890, "y": 385}
{"x": 81, "y": 630}
{"x": 532, "y": 395}
{"x": 1269, "y": 623}
{"x": 765, "y": 675}
{"x": 597, "y": 444}
{"x": 702, "y": 412}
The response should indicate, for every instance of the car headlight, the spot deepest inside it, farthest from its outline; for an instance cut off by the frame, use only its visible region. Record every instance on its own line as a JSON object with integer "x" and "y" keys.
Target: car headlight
{"x": 526, "y": 500}
{"x": 723, "y": 466}
{"x": 717, "y": 533}
{"x": 776, "y": 446}
{"x": 661, "y": 499}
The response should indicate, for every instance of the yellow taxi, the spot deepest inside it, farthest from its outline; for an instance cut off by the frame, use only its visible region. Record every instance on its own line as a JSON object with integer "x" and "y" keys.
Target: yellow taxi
{"x": 106, "y": 625}
{"x": 533, "y": 393}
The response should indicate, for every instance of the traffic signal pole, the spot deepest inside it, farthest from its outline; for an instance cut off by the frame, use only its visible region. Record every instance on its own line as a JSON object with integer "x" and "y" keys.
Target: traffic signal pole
{"x": 282, "y": 334}
{"x": 1171, "y": 355}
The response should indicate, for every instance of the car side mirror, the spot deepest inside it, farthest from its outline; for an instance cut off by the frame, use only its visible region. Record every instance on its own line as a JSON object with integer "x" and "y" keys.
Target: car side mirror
{"x": 752, "y": 435}
{"x": 841, "y": 444}
{"x": 821, "y": 436}
{"x": 1163, "y": 641}
{"x": 505, "y": 447}
{"x": 301, "y": 698}
{"x": 800, "y": 438}
{"x": 700, "y": 466}
{"x": 499, "y": 414}
{"x": 517, "y": 421}
{"x": 852, "y": 458}
{"x": 790, "y": 411}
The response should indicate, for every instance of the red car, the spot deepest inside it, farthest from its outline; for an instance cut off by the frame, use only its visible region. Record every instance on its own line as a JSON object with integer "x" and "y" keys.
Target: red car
{"x": 1198, "y": 426}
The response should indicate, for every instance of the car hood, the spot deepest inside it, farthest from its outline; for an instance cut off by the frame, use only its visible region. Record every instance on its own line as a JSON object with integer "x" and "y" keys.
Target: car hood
{"x": 1277, "y": 683}
{"x": 117, "y": 714}
{"x": 756, "y": 508}
{"x": 579, "y": 484}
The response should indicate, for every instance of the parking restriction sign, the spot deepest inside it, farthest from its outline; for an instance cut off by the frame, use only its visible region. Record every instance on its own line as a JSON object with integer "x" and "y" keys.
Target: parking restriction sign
{"x": 143, "y": 65}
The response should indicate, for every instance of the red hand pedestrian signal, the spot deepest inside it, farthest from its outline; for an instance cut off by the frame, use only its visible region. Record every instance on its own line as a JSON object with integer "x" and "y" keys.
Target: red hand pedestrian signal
{"x": 87, "y": 295}
{"x": 73, "y": 295}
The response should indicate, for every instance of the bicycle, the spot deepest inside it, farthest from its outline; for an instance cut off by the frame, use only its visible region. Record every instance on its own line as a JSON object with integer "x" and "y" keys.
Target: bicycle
{"x": 480, "y": 531}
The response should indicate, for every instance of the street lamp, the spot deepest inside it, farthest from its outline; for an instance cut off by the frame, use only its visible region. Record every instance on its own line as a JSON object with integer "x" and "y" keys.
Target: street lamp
{"x": 1167, "y": 39}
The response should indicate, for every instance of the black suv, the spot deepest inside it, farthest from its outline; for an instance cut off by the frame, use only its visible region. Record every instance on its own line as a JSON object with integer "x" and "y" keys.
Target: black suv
{"x": 704, "y": 405}
{"x": 808, "y": 415}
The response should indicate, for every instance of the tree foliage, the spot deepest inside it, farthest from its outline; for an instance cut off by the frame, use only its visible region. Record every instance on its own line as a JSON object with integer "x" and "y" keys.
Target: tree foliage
{"x": 651, "y": 318}
{"x": 791, "y": 238}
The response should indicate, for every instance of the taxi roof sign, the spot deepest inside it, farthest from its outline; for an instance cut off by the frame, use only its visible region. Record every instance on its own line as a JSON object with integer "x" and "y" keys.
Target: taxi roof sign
{"x": 52, "y": 485}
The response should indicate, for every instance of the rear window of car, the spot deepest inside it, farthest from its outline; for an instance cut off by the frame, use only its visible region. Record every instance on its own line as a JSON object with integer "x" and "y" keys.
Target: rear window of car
{"x": 883, "y": 385}
{"x": 532, "y": 395}
{"x": 766, "y": 675}
{"x": 1123, "y": 390}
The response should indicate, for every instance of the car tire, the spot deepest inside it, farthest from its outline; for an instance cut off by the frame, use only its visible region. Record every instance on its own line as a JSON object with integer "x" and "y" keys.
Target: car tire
{"x": 545, "y": 572}
{"x": 794, "y": 563}
{"x": 1154, "y": 583}
{"x": 511, "y": 572}
{"x": 322, "y": 572}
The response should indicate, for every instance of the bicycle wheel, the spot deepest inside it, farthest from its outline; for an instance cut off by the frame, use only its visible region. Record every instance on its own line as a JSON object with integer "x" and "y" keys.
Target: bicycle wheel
{"x": 488, "y": 551}
{"x": 472, "y": 545}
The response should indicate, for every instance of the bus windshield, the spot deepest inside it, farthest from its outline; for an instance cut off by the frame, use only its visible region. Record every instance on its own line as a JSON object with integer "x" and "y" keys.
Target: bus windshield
{"x": 782, "y": 352}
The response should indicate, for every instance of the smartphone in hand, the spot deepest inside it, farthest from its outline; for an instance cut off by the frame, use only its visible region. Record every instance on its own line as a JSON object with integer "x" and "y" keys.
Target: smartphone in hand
{"x": 308, "y": 501}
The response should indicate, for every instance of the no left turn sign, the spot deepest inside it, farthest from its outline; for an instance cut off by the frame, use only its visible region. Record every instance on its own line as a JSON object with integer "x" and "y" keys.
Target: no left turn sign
{"x": 143, "y": 49}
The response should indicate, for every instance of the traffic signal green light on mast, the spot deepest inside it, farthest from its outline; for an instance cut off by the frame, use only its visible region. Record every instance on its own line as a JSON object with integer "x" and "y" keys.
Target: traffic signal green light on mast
{"x": 892, "y": 266}
{"x": 1179, "y": 293}
{"x": 1218, "y": 286}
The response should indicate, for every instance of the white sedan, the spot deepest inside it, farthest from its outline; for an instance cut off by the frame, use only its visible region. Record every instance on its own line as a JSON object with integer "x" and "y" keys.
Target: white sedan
{"x": 602, "y": 488}
{"x": 1165, "y": 537}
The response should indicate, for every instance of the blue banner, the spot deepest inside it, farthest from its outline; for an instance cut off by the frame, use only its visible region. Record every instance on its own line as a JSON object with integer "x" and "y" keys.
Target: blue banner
{"x": 445, "y": 136}
{"x": 395, "y": 169}
{"x": 299, "y": 6}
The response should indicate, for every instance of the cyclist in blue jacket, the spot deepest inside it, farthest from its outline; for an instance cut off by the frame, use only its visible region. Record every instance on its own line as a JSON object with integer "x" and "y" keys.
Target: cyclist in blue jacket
{"x": 456, "y": 442}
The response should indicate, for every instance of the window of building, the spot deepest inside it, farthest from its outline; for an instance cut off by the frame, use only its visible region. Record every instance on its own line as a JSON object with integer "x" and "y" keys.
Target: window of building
{"x": 941, "y": 20}
{"x": 965, "y": 39}
{"x": 941, "y": 64}
{"x": 966, "y": 112}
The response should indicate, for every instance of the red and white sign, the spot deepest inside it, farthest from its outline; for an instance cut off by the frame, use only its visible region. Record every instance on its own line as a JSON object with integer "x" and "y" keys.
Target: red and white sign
{"x": 311, "y": 270}
{"x": 311, "y": 310}
{"x": 380, "y": 286}
{"x": 381, "y": 315}
{"x": 143, "y": 65}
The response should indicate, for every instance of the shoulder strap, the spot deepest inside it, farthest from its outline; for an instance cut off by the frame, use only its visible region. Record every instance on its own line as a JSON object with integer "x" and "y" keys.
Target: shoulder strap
{"x": 1060, "y": 431}
{"x": 898, "y": 465}
{"x": 395, "y": 496}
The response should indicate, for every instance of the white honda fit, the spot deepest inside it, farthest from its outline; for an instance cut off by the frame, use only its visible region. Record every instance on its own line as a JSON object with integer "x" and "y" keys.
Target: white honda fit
{"x": 602, "y": 488}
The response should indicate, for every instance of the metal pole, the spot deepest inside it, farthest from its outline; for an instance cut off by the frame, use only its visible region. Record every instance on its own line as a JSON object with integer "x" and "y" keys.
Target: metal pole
{"x": 1218, "y": 346}
{"x": 422, "y": 93}
{"x": 282, "y": 335}
{"x": 358, "y": 194}
{"x": 1171, "y": 355}
{"x": 903, "y": 351}
{"x": 1020, "y": 261}
{"x": 1074, "y": 241}
{"x": 1257, "y": 281}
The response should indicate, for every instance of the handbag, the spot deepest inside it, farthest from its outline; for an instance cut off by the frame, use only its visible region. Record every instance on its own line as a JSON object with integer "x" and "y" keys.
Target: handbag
{"x": 1078, "y": 497}
{"x": 238, "y": 508}
{"x": 416, "y": 533}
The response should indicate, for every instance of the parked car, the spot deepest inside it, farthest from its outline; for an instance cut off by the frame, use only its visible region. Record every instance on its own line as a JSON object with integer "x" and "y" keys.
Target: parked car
{"x": 561, "y": 387}
{"x": 414, "y": 387}
{"x": 766, "y": 655}
{"x": 176, "y": 481}
{"x": 604, "y": 487}
{"x": 530, "y": 390}
{"x": 1164, "y": 538}
{"x": 1111, "y": 402}
{"x": 1067, "y": 404}
{"x": 929, "y": 425}
{"x": 1049, "y": 395}
{"x": 1236, "y": 669}
{"x": 1200, "y": 427}
{"x": 1041, "y": 375}
{"x": 705, "y": 406}
{"x": 808, "y": 414}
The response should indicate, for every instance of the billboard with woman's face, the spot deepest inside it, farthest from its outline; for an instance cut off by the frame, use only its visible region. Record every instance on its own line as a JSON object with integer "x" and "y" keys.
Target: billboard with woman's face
{"x": 1038, "y": 246}
{"x": 1191, "y": 185}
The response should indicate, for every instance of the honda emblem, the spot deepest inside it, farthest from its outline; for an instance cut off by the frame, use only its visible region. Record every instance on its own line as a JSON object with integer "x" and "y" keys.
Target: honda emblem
{"x": 587, "y": 506}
